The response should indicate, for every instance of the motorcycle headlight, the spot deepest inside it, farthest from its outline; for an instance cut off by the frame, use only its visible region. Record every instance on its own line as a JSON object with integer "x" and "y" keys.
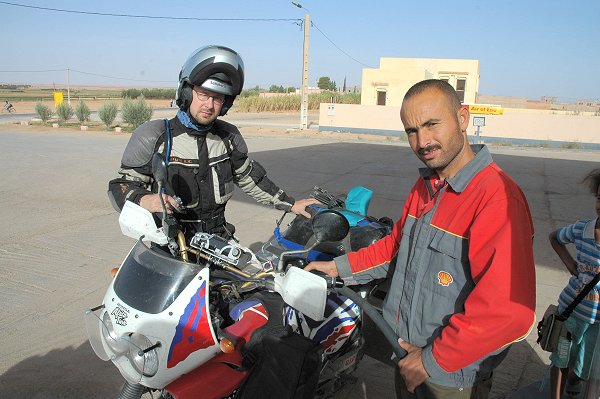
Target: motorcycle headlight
{"x": 142, "y": 355}
{"x": 118, "y": 345}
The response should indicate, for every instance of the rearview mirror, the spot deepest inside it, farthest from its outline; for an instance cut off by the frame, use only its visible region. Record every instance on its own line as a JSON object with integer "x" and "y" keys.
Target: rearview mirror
{"x": 327, "y": 225}
{"x": 159, "y": 168}
{"x": 330, "y": 225}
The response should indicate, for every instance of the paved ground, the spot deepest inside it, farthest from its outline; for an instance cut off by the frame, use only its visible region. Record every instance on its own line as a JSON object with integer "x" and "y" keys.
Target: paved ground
{"x": 61, "y": 238}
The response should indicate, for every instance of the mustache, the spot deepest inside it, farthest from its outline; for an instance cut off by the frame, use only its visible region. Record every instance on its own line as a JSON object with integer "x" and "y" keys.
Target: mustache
{"x": 429, "y": 148}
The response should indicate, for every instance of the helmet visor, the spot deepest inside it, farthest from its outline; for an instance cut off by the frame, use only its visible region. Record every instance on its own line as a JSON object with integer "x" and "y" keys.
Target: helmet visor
{"x": 217, "y": 85}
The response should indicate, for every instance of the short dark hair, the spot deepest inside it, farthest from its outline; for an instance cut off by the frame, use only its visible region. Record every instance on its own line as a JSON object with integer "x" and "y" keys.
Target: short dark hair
{"x": 592, "y": 180}
{"x": 440, "y": 85}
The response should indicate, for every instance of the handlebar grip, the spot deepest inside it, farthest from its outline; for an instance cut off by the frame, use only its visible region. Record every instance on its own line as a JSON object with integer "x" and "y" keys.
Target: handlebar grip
{"x": 312, "y": 210}
{"x": 332, "y": 282}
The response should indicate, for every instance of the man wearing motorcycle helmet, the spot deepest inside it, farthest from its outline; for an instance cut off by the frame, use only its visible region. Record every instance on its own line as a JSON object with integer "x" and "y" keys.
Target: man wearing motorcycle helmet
{"x": 206, "y": 156}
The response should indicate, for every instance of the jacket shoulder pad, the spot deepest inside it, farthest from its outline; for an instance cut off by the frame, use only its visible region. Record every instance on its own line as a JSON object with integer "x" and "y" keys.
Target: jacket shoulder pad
{"x": 142, "y": 143}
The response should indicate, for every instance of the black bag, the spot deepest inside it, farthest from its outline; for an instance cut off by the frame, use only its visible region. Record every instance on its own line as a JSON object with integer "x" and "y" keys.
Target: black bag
{"x": 282, "y": 364}
{"x": 286, "y": 367}
{"x": 552, "y": 327}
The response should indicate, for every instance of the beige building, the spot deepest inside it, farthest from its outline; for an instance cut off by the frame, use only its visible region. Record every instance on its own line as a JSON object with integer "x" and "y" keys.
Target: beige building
{"x": 529, "y": 123}
{"x": 387, "y": 84}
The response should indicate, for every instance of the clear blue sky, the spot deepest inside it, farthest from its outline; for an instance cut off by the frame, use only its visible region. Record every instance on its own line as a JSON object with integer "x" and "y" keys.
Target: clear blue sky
{"x": 525, "y": 48}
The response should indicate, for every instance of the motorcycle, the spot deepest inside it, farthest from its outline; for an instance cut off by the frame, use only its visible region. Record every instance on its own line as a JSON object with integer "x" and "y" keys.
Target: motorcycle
{"x": 187, "y": 319}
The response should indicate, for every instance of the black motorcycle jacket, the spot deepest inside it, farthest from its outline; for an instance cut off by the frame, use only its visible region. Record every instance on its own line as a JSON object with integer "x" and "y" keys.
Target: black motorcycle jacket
{"x": 202, "y": 171}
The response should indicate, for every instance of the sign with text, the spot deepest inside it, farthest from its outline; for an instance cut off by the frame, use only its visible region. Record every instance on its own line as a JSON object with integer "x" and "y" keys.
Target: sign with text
{"x": 479, "y": 121}
{"x": 485, "y": 109}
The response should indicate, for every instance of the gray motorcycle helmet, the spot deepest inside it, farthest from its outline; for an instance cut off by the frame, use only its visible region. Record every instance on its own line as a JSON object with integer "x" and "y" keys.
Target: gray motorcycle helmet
{"x": 215, "y": 68}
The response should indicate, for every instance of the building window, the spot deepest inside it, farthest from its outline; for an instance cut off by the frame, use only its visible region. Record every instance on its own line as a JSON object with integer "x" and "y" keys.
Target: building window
{"x": 458, "y": 80}
{"x": 381, "y": 95}
{"x": 460, "y": 89}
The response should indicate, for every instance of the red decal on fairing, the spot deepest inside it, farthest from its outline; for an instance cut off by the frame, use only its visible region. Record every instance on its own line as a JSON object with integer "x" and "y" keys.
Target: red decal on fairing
{"x": 193, "y": 330}
{"x": 338, "y": 336}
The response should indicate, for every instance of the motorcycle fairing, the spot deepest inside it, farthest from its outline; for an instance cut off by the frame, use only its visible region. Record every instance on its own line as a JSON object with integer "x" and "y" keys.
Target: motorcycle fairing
{"x": 342, "y": 317}
{"x": 221, "y": 375}
{"x": 193, "y": 332}
{"x": 179, "y": 320}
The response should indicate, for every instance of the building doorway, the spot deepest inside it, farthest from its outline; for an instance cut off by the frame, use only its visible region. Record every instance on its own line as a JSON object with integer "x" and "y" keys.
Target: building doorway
{"x": 381, "y": 96}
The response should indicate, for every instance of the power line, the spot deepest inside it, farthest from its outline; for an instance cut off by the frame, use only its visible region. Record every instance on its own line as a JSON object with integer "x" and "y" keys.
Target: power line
{"x": 336, "y": 46}
{"x": 187, "y": 18}
{"x": 114, "y": 77}
{"x": 88, "y": 73}
{"x": 149, "y": 16}
{"x": 296, "y": 20}
{"x": 326, "y": 37}
{"x": 47, "y": 70}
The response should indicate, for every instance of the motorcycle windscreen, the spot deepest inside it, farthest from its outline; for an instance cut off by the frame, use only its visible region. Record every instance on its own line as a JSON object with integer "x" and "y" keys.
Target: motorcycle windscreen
{"x": 150, "y": 280}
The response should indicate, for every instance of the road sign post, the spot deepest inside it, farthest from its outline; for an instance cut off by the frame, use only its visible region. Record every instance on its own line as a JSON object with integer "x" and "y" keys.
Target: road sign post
{"x": 478, "y": 121}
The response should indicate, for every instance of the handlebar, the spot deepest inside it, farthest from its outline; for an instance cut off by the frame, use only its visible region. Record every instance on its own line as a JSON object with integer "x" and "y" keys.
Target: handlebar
{"x": 377, "y": 318}
{"x": 332, "y": 282}
{"x": 311, "y": 210}
{"x": 337, "y": 284}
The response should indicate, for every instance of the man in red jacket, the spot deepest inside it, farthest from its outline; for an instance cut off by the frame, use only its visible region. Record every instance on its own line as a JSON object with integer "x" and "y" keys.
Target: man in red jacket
{"x": 463, "y": 287}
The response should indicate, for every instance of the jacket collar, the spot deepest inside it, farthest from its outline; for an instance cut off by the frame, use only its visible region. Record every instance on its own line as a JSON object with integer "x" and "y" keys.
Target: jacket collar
{"x": 482, "y": 159}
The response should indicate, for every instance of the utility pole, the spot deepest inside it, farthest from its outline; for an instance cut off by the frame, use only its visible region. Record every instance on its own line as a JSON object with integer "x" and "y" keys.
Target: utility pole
{"x": 304, "y": 90}
{"x": 68, "y": 86}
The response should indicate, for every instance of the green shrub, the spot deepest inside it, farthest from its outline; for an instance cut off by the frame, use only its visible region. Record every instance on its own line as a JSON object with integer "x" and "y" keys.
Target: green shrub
{"x": 82, "y": 112}
{"x": 255, "y": 91}
{"x": 136, "y": 112}
{"x": 43, "y": 112}
{"x": 107, "y": 113}
{"x": 573, "y": 145}
{"x": 64, "y": 112}
{"x": 148, "y": 93}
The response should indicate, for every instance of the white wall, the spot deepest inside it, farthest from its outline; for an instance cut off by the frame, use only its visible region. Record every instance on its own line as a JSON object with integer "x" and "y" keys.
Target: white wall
{"x": 514, "y": 124}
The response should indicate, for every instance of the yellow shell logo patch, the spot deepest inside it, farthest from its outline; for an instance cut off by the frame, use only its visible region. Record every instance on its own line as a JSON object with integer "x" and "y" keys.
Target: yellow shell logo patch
{"x": 445, "y": 278}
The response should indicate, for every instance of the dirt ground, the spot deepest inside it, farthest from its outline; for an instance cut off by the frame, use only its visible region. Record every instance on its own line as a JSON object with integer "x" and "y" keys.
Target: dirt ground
{"x": 63, "y": 238}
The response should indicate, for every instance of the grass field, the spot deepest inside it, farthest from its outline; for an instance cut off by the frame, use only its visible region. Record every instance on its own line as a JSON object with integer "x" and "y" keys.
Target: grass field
{"x": 43, "y": 93}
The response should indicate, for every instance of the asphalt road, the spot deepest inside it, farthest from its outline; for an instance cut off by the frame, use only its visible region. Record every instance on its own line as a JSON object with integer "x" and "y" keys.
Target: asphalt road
{"x": 60, "y": 238}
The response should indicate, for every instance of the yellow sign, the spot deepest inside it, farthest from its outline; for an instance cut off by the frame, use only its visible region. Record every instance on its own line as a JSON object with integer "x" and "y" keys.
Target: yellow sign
{"x": 58, "y": 98}
{"x": 486, "y": 109}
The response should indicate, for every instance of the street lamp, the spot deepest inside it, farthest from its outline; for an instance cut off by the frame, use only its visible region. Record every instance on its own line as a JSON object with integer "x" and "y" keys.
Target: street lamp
{"x": 304, "y": 88}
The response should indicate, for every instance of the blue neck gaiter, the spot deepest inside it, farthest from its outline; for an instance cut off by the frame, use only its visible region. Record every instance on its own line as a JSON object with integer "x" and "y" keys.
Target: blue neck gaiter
{"x": 187, "y": 121}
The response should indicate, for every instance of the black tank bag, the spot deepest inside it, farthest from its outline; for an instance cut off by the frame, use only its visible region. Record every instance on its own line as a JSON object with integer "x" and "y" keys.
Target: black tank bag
{"x": 282, "y": 364}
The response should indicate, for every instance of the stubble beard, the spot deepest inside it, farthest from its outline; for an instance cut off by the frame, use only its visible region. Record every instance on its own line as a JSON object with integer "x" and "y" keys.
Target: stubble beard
{"x": 202, "y": 119}
{"x": 446, "y": 156}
